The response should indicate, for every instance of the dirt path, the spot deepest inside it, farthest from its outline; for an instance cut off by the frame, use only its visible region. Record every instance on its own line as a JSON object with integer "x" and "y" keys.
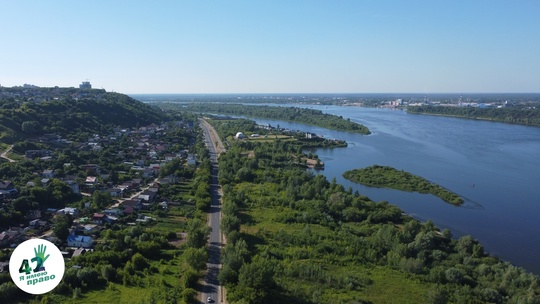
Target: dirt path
{"x": 4, "y": 155}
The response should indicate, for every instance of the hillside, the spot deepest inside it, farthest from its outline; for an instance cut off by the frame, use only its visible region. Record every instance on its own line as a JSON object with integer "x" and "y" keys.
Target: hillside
{"x": 26, "y": 113}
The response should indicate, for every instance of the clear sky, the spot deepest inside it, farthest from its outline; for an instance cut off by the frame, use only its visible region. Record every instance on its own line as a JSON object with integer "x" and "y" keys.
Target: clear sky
{"x": 289, "y": 46}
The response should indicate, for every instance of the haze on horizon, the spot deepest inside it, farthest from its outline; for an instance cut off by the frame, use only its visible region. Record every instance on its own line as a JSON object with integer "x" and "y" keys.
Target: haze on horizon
{"x": 273, "y": 46}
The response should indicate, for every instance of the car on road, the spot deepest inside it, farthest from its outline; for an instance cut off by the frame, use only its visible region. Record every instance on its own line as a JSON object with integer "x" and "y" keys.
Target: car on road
{"x": 209, "y": 300}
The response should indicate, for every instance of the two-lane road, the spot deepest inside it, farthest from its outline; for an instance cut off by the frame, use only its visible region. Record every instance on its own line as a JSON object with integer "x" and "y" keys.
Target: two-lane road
{"x": 211, "y": 288}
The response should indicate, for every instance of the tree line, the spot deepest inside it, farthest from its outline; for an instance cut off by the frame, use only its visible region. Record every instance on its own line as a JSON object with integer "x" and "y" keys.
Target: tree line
{"x": 299, "y": 115}
{"x": 514, "y": 115}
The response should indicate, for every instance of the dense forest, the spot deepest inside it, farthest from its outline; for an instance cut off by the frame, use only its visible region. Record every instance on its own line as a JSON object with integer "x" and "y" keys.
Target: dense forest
{"x": 96, "y": 112}
{"x": 299, "y": 115}
{"x": 515, "y": 115}
{"x": 388, "y": 177}
{"x": 294, "y": 237}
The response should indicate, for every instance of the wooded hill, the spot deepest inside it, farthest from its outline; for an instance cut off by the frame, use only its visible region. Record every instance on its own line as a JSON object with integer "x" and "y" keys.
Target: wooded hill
{"x": 69, "y": 111}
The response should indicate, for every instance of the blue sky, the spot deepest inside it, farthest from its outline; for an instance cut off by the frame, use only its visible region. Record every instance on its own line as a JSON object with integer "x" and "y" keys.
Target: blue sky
{"x": 273, "y": 46}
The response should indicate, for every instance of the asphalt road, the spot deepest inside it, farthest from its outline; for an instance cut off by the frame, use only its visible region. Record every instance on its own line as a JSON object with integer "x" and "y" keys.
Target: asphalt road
{"x": 211, "y": 286}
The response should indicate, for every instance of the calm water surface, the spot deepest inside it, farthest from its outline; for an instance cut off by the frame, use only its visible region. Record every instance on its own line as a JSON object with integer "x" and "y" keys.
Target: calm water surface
{"x": 495, "y": 166}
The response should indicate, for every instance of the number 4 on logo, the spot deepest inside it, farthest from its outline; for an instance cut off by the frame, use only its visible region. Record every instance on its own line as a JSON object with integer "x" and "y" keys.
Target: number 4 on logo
{"x": 25, "y": 267}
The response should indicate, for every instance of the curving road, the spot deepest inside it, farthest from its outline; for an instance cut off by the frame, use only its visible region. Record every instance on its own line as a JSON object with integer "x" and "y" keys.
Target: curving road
{"x": 211, "y": 286}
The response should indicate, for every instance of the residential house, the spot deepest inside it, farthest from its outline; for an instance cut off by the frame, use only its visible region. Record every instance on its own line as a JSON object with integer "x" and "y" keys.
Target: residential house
{"x": 113, "y": 212}
{"x": 99, "y": 218}
{"x": 73, "y": 185}
{"x": 91, "y": 169}
{"x": 91, "y": 180}
{"x": 68, "y": 210}
{"x": 169, "y": 156}
{"x": 10, "y": 236}
{"x": 191, "y": 160}
{"x": 45, "y": 182}
{"x": 90, "y": 228}
{"x": 115, "y": 192}
{"x": 33, "y": 224}
{"x": 80, "y": 251}
{"x": 7, "y": 189}
{"x": 147, "y": 173}
{"x": 79, "y": 241}
{"x": 170, "y": 179}
{"x": 148, "y": 196}
{"x": 154, "y": 188}
{"x": 136, "y": 204}
{"x": 128, "y": 210}
{"x": 48, "y": 173}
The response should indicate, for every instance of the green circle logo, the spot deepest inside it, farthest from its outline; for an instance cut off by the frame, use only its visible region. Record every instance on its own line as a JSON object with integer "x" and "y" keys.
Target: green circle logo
{"x": 36, "y": 266}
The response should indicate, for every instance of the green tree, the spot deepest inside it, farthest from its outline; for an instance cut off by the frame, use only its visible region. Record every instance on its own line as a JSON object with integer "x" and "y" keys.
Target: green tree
{"x": 196, "y": 258}
{"x": 256, "y": 279}
{"x": 109, "y": 273}
{"x": 101, "y": 199}
{"x": 61, "y": 227}
{"x": 198, "y": 233}
{"x": 139, "y": 262}
{"x": 30, "y": 127}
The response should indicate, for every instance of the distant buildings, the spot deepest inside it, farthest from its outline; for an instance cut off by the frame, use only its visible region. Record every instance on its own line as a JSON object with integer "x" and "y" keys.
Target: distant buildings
{"x": 240, "y": 135}
{"x": 85, "y": 85}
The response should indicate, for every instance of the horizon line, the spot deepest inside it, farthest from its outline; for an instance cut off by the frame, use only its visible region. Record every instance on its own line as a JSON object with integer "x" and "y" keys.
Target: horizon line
{"x": 330, "y": 93}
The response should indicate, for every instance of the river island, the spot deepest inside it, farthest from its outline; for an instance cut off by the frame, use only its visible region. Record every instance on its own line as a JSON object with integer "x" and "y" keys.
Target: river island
{"x": 388, "y": 177}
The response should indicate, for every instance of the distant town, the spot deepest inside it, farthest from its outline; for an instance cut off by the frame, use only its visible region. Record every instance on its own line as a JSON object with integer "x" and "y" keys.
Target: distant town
{"x": 394, "y": 100}
{"x": 32, "y": 93}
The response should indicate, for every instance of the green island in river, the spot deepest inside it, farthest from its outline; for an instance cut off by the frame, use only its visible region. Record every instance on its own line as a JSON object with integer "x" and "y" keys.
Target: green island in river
{"x": 292, "y": 114}
{"x": 388, "y": 177}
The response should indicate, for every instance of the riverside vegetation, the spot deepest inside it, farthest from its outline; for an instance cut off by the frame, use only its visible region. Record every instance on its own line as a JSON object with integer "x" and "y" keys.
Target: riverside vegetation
{"x": 388, "y": 177}
{"x": 294, "y": 237}
{"x": 299, "y": 115}
{"x": 529, "y": 116}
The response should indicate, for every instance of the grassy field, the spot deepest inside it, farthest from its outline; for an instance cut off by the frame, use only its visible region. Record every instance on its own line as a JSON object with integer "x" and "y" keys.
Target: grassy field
{"x": 149, "y": 286}
{"x": 261, "y": 223}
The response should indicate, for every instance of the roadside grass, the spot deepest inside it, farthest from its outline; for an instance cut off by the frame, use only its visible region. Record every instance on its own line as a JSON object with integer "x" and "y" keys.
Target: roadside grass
{"x": 117, "y": 293}
{"x": 147, "y": 285}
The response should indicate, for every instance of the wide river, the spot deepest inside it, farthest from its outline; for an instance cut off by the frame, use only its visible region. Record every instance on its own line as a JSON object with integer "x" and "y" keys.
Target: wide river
{"x": 494, "y": 166}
